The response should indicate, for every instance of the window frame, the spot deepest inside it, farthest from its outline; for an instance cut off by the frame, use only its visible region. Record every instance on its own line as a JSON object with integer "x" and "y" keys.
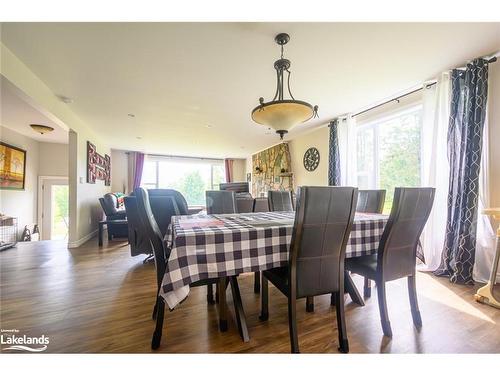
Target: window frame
{"x": 157, "y": 159}
{"x": 375, "y": 123}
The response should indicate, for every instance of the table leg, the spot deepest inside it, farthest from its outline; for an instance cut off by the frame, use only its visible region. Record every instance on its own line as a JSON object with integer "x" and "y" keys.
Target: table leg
{"x": 238, "y": 309}
{"x": 350, "y": 288}
{"x": 100, "y": 233}
{"x": 222, "y": 304}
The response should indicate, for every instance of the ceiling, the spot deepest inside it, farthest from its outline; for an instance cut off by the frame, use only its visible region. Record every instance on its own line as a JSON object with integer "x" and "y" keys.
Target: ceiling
{"x": 192, "y": 86}
{"x": 17, "y": 114}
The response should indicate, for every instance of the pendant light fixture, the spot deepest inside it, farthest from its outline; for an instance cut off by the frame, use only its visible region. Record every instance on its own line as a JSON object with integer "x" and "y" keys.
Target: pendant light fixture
{"x": 42, "y": 129}
{"x": 282, "y": 114}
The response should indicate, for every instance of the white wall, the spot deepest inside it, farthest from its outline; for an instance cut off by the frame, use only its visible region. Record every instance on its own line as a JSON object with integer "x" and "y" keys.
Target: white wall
{"x": 22, "y": 203}
{"x": 83, "y": 203}
{"x": 119, "y": 171}
{"x": 298, "y": 146}
{"x": 85, "y": 209}
{"x": 53, "y": 159}
{"x": 239, "y": 170}
{"x": 42, "y": 159}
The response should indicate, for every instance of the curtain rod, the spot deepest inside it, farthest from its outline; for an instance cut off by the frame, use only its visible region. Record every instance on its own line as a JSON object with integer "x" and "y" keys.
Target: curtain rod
{"x": 177, "y": 157}
{"x": 492, "y": 60}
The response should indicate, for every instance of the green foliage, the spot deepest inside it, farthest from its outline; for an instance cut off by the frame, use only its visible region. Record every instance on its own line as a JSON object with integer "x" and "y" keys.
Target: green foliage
{"x": 192, "y": 187}
{"x": 61, "y": 201}
{"x": 399, "y": 163}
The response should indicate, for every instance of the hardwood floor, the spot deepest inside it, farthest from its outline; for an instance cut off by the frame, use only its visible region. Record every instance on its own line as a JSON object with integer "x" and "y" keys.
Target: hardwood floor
{"x": 100, "y": 300}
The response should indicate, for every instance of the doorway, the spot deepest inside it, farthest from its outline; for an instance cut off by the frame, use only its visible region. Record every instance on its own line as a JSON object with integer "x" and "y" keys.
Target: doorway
{"x": 53, "y": 208}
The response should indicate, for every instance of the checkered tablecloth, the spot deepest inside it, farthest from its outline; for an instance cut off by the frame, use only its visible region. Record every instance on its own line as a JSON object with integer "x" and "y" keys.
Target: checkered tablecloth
{"x": 212, "y": 246}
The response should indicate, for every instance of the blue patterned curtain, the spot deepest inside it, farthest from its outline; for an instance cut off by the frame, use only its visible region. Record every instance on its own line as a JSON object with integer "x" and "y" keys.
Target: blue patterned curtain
{"x": 333, "y": 155}
{"x": 469, "y": 92}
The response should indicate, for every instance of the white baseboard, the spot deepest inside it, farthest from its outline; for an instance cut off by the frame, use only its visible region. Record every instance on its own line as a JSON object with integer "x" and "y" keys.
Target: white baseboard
{"x": 82, "y": 240}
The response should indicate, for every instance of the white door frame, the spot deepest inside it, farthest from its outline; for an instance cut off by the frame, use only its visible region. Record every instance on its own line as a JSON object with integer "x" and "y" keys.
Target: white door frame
{"x": 41, "y": 180}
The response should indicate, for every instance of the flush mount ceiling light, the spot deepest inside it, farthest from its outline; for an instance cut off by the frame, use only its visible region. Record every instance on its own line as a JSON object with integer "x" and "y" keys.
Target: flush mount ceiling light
{"x": 283, "y": 114}
{"x": 42, "y": 129}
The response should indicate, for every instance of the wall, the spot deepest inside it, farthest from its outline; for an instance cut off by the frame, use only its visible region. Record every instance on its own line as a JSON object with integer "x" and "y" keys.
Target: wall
{"x": 22, "y": 203}
{"x": 298, "y": 146}
{"x": 119, "y": 171}
{"x": 86, "y": 203}
{"x": 239, "y": 170}
{"x": 83, "y": 203}
{"x": 53, "y": 159}
{"x": 271, "y": 161}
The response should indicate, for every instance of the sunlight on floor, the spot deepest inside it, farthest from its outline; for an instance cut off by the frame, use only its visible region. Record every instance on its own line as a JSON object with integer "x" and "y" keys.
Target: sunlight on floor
{"x": 447, "y": 297}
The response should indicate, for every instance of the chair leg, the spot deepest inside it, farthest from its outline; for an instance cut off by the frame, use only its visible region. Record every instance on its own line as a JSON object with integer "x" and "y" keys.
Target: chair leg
{"x": 339, "y": 306}
{"x": 382, "y": 305}
{"x": 310, "y": 304}
{"x": 333, "y": 299}
{"x": 256, "y": 282}
{"x": 155, "y": 309}
{"x": 210, "y": 294}
{"x": 292, "y": 324}
{"x": 367, "y": 290}
{"x": 264, "y": 311}
{"x": 155, "y": 342}
{"x": 412, "y": 291}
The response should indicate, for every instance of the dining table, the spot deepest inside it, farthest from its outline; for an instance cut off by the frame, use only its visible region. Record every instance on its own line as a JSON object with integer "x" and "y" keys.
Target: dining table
{"x": 221, "y": 247}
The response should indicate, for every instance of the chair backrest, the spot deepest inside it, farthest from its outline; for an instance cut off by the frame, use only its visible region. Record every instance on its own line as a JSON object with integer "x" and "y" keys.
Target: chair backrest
{"x": 179, "y": 198}
{"x": 109, "y": 204}
{"x": 152, "y": 231}
{"x": 261, "y": 205}
{"x": 371, "y": 201}
{"x": 237, "y": 187}
{"x": 323, "y": 220}
{"x": 220, "y": 202}
{"x": 280, "y": 200}
{"x": 397, "y": 249}
{"x": 138, "y": 240}
{"x": 244, "y": 205}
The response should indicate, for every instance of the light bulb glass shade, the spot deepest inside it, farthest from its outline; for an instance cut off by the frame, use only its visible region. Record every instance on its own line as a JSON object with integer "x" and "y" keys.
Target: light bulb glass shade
{"x": 42, "y": 129}
{"x": 282, "y": 114}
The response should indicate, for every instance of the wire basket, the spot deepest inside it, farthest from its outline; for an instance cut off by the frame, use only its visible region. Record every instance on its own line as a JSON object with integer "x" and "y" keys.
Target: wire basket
{"x": 8, "y": 232}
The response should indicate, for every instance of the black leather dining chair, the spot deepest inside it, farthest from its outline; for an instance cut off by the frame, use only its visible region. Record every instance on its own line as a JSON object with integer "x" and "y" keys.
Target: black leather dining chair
{"x": 244, "y": 204}
{"x": 280, "y": 200}
{"x": 323, "y": 221}
{"x": 220, "y": 202}
{"x": 396, "y": 256}
{"x": 370, "y": 201}
{"x": 161, "y": 255}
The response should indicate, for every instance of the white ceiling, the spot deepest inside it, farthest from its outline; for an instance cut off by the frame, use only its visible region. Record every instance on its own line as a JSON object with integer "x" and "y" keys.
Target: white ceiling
{"x": 178, "y": 78}
{"x": 17, "y": 114}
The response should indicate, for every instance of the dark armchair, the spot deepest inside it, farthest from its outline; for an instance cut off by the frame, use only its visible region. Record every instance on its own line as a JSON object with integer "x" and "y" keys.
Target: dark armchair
{"x": 110, "y": 206}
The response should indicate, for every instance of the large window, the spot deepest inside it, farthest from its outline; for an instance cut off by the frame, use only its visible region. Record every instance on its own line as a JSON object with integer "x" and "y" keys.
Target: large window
{"x": 192, "y": 177}
{"x": 388, "y": 152}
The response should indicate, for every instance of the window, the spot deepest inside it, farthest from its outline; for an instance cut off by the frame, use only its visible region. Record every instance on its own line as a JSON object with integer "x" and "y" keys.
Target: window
{"x": 192, "y": 177}
{"x": 388, "y": 152}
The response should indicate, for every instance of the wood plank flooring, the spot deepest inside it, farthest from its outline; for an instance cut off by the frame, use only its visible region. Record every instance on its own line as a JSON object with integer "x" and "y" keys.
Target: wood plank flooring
{"x": 99, "y": 300}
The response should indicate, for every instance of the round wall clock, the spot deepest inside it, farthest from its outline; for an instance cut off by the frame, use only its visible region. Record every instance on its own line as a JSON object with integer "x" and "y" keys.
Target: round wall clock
{"x": 311, "y": 159}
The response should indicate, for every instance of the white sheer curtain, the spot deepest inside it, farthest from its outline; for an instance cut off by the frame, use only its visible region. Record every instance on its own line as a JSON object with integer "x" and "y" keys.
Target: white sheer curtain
{"x": 486, "y": 235}
{"x": 347, "y": 151}
{"x": 435, "y": 167}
